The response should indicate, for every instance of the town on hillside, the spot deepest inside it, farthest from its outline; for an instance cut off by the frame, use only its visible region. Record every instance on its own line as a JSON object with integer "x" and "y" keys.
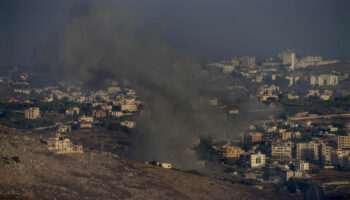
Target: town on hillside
{"x": 302, "y": 138}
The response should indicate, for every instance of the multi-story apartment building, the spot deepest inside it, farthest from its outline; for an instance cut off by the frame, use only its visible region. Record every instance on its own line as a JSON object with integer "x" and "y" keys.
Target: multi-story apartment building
{"x": 282, "y": 151}
{"x": 32, "y": 113}
{"x": 316, "y": 152}
{"x": 257, "y": 160}
{"x": 307, "y": 151}
{"x": 325, "y": 153}
{"x": 344, "y": 142}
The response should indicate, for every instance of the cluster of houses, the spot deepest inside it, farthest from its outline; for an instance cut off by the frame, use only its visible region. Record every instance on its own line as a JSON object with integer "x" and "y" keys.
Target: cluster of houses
{"x": 123, "y": 103}
{"x": 287, "y": 159}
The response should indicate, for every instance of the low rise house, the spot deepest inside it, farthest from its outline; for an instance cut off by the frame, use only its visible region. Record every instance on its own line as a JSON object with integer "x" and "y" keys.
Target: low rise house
{"x": 255, "y": 137}
{"x": 85, "y": 118}
{"x": 116, "y": 113}
{"x": 72, "y": 110}
{"x": 257, "y": 160}
{"x": 231, "y": 152}
{"x": 85, "y": 124}
{"x": 106, "y": 107}
{"x": 128, "y": 124}
{"x": 98, "y": 113}
{"x": 60, "y": 144}
{"x": 286, "y": 135}
{"x": 288, "y": 174}
{"x": 291, "y": 96}
{"x": 64, "y": 128}
{"x": 129, "y": 108}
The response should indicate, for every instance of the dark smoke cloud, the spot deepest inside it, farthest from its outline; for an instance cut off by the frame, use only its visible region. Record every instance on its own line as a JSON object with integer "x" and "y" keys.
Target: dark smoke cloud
{"x": 106, "y": 40}
{"x": 214, "y": 29}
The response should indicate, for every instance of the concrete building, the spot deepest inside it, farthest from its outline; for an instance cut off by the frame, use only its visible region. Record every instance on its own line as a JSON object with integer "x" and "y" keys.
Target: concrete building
{"x": 316, "y": 152}
{"x": 302, "y": 166}
{"x": 282, "y": 151}
{"x": 247, "y": 61}
{"x": 325, "y": 97}
{"x": 286, "y": 135}
{"x": 99, "y": 113}
{"x": 265, "y": 92}
{"x": 325, "y": 153}
{"x": 85, "y": 118}
{"x": 85, "y": 124}
{"x": 341, "y": 158}
{"x": 291, "y": 96}
{"x": 289, "y": 58}
{"x": 64, "y": 128}
{"x": 344, "y": 142}
{"x": 324, "y": 79}
{"x": 164, "y": 165}
{"x": 129, "y": 108}
{"x": 307, "y": 151}
{"x": 128, "y": 124}
{"x": 60, "y": 144}
{"x": 232, "y": 152}
{"x": 255, "y": 137}
{"x": 72, "y": 110}
{"x": 32, "y": 113}
{"x": 226, "y": 69}
{"x": 106, "y": 107}
{"x": 116, "y": 113}
{"x": 287, "y": 174}
{"x": 257, "y": 160}
{"x": 347, "y": 125}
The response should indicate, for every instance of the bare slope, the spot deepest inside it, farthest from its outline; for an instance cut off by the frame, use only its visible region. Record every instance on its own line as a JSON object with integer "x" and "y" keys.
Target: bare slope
{"x": 40, "y": 174}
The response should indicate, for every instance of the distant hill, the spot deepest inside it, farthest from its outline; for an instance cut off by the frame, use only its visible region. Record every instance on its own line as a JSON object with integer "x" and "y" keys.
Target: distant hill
{"x": 29, "y": 171}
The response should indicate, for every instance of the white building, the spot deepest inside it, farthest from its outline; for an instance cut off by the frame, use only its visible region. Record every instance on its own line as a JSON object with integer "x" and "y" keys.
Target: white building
{"x": 257, "y": 160}
{"x": 32, "y": 113}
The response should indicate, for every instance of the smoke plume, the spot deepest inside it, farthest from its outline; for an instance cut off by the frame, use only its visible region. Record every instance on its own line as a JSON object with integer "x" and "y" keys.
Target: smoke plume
{"x": 106, "y": 40}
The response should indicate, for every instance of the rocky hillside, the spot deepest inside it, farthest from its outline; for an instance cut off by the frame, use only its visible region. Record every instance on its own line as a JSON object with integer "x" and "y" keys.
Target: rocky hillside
{"x": 29, "y": 171}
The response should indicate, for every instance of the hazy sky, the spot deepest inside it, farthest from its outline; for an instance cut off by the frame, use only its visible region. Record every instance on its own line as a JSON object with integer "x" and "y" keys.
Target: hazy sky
{"x": 220, "y": 28}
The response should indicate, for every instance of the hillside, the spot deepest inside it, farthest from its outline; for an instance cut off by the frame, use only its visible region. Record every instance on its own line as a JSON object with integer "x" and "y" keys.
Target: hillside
{"x": 29, "y": 171}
